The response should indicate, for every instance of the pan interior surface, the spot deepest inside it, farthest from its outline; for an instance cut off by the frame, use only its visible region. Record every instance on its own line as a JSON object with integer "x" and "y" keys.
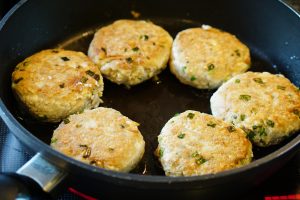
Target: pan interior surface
{"x": 153, "y": 102}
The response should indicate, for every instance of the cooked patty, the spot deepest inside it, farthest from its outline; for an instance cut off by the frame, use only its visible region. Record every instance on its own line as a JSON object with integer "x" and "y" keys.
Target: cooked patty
{"x": 102, "y": 137}
{"x": 265, "y": 105}
{"x": 195, "y": 143}
{"x": 129, "y": 52}
{"x": 54, "y": 83}
{"x": 206, "y": 57}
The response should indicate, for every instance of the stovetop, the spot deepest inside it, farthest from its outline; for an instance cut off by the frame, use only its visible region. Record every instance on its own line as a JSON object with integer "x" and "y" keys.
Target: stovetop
{"x": 284, "y": 184}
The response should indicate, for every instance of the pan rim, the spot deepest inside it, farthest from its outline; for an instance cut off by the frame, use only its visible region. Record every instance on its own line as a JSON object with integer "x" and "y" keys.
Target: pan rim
{"x": 23, "y": 134}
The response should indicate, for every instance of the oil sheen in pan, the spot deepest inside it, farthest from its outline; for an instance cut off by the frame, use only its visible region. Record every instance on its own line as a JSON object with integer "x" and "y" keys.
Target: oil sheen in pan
{"x": 153, "y": 102}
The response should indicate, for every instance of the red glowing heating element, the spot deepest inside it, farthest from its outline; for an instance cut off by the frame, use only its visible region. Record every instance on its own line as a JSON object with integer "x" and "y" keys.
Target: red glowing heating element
{"x": 84, "y": 196}
{"x": 288, "y": 197}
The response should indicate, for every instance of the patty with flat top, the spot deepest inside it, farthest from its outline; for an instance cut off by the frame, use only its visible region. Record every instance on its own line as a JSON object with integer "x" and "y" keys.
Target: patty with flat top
{"x": 206, "y": 57}
{"x": 102, "y": 137}
{"x": 54, "y": 83}
{"x": 194, "y": 143}
{"x": 129, "y": 52}
{"x": 266, "y": 106}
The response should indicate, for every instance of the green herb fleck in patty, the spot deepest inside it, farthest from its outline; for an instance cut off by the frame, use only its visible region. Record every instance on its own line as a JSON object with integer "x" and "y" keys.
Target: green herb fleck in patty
{"x": 129, "y": 60}
{"x": 66, "y": 121}
{"x": 245, "y": 97}
{"x": 135, "y": 49}
{"x": 280, "y": 87}
{"x": 181, "y": 135}
{"x": 270, "y": 123}
{"x": 191, "y": 115}
{"x": 200, "y": 160}
{"x": 210, "y": 67}
{"x": 258, "y": 80}
{"x": 65, "y": 59}
{"x": 211, "y": 124}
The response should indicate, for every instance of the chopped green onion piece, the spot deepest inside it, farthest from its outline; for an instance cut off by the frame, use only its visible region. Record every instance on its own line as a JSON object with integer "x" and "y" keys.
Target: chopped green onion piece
{"x": 181, "y": 135}
{"x": 195, "y": 154}
{"x": 259, "y": 129}
{"x": 87, "y": 152}
{"x": 191, "y": 115}
{"x": 237, "y": 81}
{"x": 270, "y": 123}
{"x": 211, "y": 124}
{"x": 135, "y": 49}
{"x": 129, "y": 60}
{"x": 78, "y": 125}
{"x": 237, "y": 52}
{"x": 160, "y": 153}
{"x": 66, "y": 121}
{"x": 210, "y": 67}
{"x": 245, "y": 97}
{"x": 200, "y": 160}
{"x": 242, "y": 117}
{"x": 65, "y": 58}
{"x": 249, "y": 133}
{"x": 258, "y": 80}
{"x": 53, "y": 140}
{"x": 84, "y": 79}
{"x": 90, "y": 73}
{"x": 280, "y": 87}
{"x": 193, "y": 78}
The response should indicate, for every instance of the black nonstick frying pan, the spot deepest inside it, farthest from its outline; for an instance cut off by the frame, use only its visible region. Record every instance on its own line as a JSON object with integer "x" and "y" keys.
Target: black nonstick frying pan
{"x": 269, "y": 28}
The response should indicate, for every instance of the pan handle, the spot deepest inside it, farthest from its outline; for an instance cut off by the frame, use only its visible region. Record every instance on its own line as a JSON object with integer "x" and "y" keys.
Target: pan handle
{"x": 34, "y": 179}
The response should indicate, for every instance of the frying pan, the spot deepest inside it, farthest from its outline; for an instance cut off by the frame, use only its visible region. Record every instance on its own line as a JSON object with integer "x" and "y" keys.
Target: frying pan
{"x": 269, "y": 28}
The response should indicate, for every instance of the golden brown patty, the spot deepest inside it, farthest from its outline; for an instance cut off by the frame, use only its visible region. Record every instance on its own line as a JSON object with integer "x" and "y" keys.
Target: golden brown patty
{"x": 129, "y": 52}
{"x": 102, "y": 137}
{"x": 206, "y": 57}
{"x": 53, "y": 84}
{"x": 265, "y": 105}
{"x": 195, "y": 143}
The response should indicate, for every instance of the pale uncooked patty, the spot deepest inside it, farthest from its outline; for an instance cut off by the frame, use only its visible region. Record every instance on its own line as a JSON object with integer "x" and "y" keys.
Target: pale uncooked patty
{"x": 206, "y": 57}
{"x": 102, "y": 137}
{"x": 265, "y": 105}
{"x": 52, "y": 84}
{"x": 195, "y": 143}
{"x": 129, "y": 52}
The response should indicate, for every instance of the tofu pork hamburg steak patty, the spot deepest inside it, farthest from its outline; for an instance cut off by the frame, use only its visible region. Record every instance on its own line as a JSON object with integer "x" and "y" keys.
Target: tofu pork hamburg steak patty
{"x": 265, "y": 105}
{"x": 129, "y": 52}
{"x": 195, "y": 143}
{"x": 206, "y": 57}
{"x": 102, "y": 137}
{"x": 52, "y": 84}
